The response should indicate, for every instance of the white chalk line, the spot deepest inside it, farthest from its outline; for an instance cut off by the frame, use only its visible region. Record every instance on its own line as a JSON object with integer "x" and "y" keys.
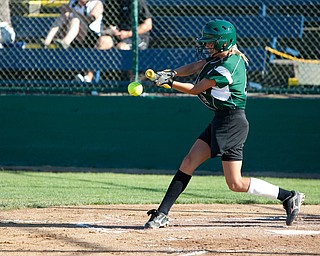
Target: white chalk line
{"x": 214, "y": 251}
{"x": 290, "y": 232}
{"x": 195, "y": 253}
{"x": 94, "y": 227}
{"x": 102, "y": 230}
{"x": 287, "y": 232}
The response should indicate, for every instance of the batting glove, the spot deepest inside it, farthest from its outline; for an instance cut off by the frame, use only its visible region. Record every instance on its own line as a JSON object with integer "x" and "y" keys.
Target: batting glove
{"x": 165, "y": 78}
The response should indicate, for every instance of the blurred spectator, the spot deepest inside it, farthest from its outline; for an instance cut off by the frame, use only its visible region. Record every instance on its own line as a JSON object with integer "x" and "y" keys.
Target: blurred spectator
{"x": 7, "y": 34}
{"x": 119, "y": 32}
{"x": 66, "y": 14}
{"x": 76, "y": 18}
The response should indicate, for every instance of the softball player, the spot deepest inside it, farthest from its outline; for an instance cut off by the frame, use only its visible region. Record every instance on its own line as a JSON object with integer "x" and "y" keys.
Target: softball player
{"x": 221, "y": 86}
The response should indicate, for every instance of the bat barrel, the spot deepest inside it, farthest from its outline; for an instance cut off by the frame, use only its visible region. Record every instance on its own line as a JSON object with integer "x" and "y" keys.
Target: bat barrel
{"x": 150, "y": 74}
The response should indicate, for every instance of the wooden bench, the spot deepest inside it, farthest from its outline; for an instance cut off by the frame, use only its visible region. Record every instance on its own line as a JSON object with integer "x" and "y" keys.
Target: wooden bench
{"x": 15, "y": 60}
{"x": 111, "y": 60}
{"x": 263, "y": 5}
{"x": 34, "y": 6}
{"x": 307, "y": 8}
{"x": 185, "y": 27}
{"x": 57, "y": 61}
{"x": 31, "y": 29}
{"x": 64, "y": 59}
{"x": 54, "y": 3}
{"x": 249, "y": 26}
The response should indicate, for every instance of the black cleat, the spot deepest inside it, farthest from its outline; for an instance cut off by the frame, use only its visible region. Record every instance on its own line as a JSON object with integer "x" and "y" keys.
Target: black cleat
{"x": 292, "y": 206}
{"x": 157, "y": 219}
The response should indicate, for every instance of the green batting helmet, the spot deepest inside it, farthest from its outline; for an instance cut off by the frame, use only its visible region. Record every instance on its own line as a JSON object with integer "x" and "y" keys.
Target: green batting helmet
{"x": 221, "y": 32}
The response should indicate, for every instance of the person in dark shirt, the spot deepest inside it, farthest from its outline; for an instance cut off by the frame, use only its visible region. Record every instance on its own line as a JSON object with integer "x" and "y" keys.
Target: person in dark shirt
{"x": 119, "y": 33}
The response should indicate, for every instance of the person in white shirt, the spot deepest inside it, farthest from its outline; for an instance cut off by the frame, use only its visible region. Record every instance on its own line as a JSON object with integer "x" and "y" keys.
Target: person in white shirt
{"x": 79, "y": 16}
{"x": 7, "y": 33}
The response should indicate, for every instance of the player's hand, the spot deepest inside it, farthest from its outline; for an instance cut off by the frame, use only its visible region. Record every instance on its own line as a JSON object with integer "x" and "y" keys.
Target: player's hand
{"x": 123, "y": 34}
{"x": 165, "y": 78}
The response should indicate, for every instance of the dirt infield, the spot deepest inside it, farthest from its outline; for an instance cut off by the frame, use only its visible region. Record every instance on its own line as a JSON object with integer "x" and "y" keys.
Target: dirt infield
{"x": 194, "y": 230}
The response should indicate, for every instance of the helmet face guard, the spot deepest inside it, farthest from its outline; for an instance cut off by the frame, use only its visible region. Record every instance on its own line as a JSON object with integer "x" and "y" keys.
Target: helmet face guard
{"x": 202, "y": 51}
{"x": 221, "y": 33}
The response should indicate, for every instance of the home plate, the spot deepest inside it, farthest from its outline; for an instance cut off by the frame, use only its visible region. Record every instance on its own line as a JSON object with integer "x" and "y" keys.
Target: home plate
{"x": 295, "y": 232}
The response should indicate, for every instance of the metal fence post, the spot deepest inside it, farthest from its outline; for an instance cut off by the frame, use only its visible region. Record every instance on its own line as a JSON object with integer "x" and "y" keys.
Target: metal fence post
{"x": 135, "y": 52}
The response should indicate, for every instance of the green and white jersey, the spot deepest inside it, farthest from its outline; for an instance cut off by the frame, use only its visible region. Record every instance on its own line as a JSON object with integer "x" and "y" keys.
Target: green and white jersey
{"x": 230, "y": 90}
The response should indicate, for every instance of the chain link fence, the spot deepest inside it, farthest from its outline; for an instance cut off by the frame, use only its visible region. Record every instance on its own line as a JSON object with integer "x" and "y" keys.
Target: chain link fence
{"x": 279, "y": 37}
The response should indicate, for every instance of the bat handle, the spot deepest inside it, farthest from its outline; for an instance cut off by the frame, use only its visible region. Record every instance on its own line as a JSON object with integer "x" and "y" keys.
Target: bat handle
{"x": 166, "y": 86}
{"x": 150, "y": 74}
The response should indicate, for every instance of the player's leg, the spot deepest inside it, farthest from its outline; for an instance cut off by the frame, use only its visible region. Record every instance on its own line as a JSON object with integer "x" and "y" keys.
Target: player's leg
{"x": 73, "y": 32}
{"x": 291, "y": 200}
{"x": 234, "y": 179}
{"x": 199, "y": 152}
{"x": 105, "y": 42}
{"x": 53, "y": 31}
{"x": 57, "y": 24}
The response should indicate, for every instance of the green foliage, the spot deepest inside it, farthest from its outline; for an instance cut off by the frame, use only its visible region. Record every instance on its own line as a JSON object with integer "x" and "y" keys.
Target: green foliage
{"x": 20, "y": 189}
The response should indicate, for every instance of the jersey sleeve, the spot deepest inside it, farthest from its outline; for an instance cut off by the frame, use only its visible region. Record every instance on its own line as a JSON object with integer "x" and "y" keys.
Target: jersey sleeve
{"x": 221, "y": 75}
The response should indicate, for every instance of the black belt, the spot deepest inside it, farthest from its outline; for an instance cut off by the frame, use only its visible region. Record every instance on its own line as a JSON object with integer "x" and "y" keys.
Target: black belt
{"x": 225, "y": 112}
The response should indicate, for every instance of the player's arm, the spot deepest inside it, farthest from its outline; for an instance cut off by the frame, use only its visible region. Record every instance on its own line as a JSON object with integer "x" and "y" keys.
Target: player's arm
{"x": 166, "y": 79}
{"x": 190, "y": 69}
{"x": 193, "y": 89}
{"x": 95, "y": 13}
{"x": 143, "y": 28}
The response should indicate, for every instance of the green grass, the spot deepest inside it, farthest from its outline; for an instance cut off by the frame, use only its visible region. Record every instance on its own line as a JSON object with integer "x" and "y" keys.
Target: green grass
{"x": 20, "y": 189}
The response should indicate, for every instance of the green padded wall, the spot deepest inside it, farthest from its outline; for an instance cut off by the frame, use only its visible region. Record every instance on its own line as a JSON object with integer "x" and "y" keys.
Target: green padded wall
{"x": 150, "y": 132}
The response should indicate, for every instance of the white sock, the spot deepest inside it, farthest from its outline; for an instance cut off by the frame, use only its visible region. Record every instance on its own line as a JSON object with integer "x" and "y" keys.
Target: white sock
{"x": 262, "y": 188}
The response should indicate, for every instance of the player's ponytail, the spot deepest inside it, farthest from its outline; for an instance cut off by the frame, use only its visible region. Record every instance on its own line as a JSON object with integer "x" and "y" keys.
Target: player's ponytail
{"x": 234, "y": 50}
